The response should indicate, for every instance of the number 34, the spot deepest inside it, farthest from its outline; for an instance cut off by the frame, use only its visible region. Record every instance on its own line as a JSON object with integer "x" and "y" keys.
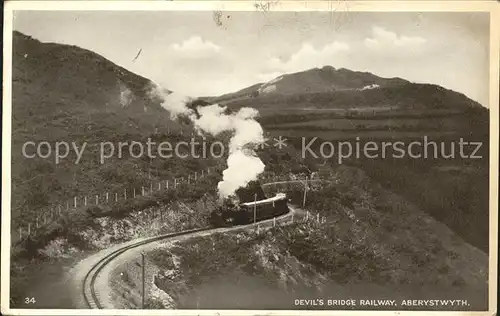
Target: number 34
{"x": 29, "y": 300}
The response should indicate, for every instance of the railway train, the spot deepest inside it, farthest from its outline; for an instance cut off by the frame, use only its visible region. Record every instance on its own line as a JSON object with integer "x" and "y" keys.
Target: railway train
{"x": 248, "y": 212}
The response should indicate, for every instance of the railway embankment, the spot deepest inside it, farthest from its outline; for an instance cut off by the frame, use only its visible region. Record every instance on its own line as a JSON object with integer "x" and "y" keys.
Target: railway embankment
{"x": 113, "y": 278}
{"x": 355, "y": 240}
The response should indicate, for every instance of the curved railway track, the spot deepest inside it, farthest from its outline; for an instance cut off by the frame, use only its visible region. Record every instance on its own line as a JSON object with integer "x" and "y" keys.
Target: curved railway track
{"x": 90, "y": 295}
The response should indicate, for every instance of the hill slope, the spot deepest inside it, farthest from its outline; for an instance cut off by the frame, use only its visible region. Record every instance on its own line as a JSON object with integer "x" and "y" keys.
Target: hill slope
{"x": 66, "y": 93}
{"x": 343, "y": 105}
{"x": 369, "y": 244}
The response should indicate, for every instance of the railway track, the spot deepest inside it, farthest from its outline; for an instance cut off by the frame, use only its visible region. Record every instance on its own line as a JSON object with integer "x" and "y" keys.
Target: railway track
{"x": 91, "y": 296}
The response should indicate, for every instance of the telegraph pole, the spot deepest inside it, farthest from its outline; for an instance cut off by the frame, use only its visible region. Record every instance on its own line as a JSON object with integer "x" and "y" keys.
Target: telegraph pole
{"x": 305, "y": 191}
{"x": 143, "y": 279}
{"x": 149, "y": 170}
{"x": 255, "y": 208}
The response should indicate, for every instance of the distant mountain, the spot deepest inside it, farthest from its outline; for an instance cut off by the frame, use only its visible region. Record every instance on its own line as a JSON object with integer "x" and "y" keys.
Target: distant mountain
{"x": 330, "y": 88}
{"x": 319, "y": 80}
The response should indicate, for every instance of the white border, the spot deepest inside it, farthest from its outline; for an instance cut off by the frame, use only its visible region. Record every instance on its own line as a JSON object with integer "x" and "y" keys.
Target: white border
{"x": 372, "y": 6}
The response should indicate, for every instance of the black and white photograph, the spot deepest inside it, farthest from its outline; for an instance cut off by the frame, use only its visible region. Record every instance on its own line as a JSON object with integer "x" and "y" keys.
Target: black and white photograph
{"x": 249, "y": 157}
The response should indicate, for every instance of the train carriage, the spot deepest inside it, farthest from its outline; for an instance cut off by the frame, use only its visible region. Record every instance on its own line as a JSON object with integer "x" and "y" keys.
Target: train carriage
{"x": 266, "y": 208}
{"x": 249, "y": 212}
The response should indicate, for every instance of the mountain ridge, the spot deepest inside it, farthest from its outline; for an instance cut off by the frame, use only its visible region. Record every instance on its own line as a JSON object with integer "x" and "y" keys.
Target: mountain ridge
{"x": 328, "y": 87}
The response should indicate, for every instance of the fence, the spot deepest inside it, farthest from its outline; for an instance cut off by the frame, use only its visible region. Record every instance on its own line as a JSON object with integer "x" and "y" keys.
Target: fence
{"x": 308, "y": 217}
{"x": 54, "y": 212}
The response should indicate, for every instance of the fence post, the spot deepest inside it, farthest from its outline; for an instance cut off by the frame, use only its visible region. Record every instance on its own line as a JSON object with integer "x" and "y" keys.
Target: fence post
{"x": 20, "y": 233}
{"x": 75, "y": 202}
{"x": 292, "y": 217}
{"x": 159, "y": 186}
{"x": 85, "y": 200}
{"x": 175, "y": 183}
{"x": 317, "y": 217}
{"x": 195, "y": 176}
{"x": 134, "y": 192}
{"x": 166, "y": 184}
{"x": 116, "y": 197}
{"x": 142, "y": 187}
{"x": 36, "y": 221}
{"x": 274, "y": 221}
{"x": 151, "y": 188}
{"x": 125, "y": 194}
{"x": 29, "y": 229}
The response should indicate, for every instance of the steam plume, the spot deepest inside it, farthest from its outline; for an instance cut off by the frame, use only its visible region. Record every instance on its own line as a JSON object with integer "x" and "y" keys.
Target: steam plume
{"x": 243, "y": 165}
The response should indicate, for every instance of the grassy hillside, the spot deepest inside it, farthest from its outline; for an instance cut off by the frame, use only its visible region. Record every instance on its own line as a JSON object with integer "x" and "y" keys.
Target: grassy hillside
{"x": 66, "y": 93}
{"x": 455, "y": 191}
{"x": 370, "y": 243}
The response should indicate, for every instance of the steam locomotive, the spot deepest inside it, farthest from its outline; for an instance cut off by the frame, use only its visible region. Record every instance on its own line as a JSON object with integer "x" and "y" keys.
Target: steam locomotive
{"x": 244, "y": 213}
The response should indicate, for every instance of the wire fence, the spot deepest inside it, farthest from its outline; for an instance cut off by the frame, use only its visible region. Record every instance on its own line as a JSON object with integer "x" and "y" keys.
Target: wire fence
{"x": 50, "y": 214}
{"x": 47, "y": 215}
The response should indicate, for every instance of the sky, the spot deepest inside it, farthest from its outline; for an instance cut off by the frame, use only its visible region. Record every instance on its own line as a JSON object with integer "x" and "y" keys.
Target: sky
{"x": 204, "y": 53}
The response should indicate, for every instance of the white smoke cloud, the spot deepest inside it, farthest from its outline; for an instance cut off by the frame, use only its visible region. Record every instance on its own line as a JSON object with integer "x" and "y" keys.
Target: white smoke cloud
{"x": 241, "y": 168}
{"x": 243, "y": 164}
{"x": 174, "y": 103}
{"x": 213, "y": 120}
